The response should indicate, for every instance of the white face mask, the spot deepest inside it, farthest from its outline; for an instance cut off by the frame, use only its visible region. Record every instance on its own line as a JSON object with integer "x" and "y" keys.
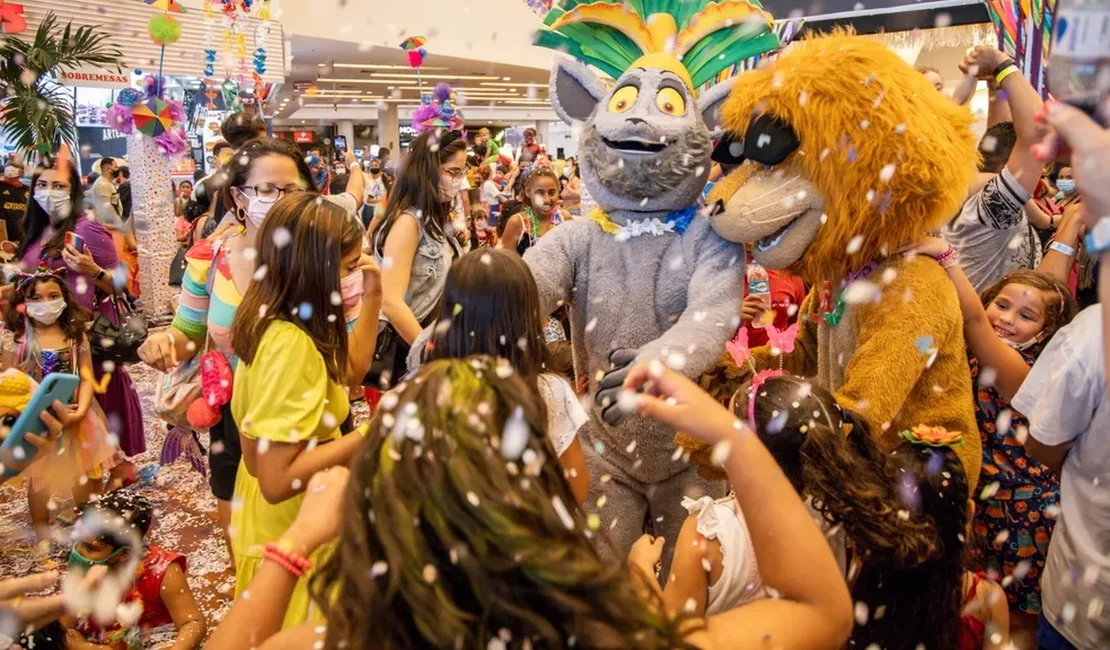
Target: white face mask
{"x": 46, "y": 312}
{"x": 56, "y": 203}
{"x": 257, "y": 209}
{"x": 1022, "y": 346}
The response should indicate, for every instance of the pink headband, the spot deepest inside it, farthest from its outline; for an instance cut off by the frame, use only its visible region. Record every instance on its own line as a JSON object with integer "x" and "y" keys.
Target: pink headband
{"x": 757, "y": 381}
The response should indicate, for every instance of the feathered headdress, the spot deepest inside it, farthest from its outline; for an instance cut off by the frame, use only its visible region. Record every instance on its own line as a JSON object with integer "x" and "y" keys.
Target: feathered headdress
{"x": 694, "y": 39}
{"x": 438, "y": 111}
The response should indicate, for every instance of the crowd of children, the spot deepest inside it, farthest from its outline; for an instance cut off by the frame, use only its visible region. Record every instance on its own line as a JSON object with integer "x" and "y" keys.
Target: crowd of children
{"x": 464, "y": 513}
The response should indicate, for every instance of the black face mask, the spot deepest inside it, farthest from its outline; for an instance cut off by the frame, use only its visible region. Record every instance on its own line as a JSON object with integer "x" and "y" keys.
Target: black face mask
{"x": 375, "y": 171}
{"x": 115, "y": 173}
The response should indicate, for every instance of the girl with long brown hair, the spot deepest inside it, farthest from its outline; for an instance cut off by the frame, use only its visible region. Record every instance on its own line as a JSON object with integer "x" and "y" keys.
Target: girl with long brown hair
{"x": 290, "y": 393}
{"x": 456, "y": 531}
{"x": 491, "y": 306}
{"x": 417, "y": 236}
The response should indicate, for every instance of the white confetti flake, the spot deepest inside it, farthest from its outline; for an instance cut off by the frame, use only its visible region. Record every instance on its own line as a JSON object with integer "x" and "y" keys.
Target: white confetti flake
{"x": 862, "y": 291}
{"x": 260, "y": 273}
{"x": 561, "y": 510}
{"x": 514, "y": 438}
{"x": 282, "y": 237}
{"x": 854, "y": 245}
{"x": 430, "y": 573}
{"x": 862, "y": 613}
{"x": 473, "y": 499}
{"x": 887, "y": 172}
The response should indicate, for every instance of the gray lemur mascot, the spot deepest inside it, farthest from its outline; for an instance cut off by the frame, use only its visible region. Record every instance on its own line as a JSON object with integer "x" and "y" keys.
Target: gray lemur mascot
{"x": 645, "y": 275}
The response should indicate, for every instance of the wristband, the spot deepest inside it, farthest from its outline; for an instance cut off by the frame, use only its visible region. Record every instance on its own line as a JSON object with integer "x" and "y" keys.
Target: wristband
{"x": 1001, "y": 76}
{"x": 100, "y": 274}
{"x": 1062, "y": 248}
{"x": 292, "y": 562}
{"x": 949, "y": 253}
{"x": 1007, "y": 62}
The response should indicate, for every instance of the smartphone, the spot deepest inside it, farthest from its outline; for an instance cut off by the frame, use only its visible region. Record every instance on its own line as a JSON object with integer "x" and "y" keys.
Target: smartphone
{"x": 55, "y": 386}
{"x": 75, "y": 240}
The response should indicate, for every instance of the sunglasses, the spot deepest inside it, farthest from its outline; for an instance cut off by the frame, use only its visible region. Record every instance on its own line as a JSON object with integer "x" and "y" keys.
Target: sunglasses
{"x": 768, "y": 141}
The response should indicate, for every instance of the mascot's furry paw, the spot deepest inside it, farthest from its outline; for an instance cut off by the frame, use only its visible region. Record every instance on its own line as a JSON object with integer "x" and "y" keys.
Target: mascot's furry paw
{"x": 608, "y": 393}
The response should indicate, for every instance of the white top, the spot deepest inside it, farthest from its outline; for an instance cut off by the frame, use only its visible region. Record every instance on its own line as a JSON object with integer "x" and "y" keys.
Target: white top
{"x": 565, "y": 414}
{"x": 1064, "y": 398}
{"x": 345, "y": 200}
{"x": 723, "y": 521}
{"x": 490, "y": 193}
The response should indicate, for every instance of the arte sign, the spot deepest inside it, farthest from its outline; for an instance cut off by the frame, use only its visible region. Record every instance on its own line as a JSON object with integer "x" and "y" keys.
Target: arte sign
{"x": 95, "y": 79}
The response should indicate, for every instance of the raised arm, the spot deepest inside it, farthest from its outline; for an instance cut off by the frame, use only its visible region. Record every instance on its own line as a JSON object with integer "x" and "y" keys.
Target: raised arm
{"x": 981, "y": 338}
{"x": 814, "y": 610}
{"x": 1060, "y": 256}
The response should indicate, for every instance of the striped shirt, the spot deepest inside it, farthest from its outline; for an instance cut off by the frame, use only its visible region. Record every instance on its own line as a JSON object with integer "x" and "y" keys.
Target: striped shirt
{"x": 208, "y": 308}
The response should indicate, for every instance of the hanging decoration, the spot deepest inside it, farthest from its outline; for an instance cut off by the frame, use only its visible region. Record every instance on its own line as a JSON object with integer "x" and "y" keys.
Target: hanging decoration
{"x": 539, "y": 7}
{"x": 1024, "y": 29}
{"x": 414, "y": 45}
{"x": 259, "y": 92}
{"x": 11, "y": 18}
{"x": 438, "y": 111}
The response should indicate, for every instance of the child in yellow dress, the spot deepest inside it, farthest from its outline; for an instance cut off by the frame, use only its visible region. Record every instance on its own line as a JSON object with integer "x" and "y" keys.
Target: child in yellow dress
{"x": 44, "y": 333}
{"x": 290, "y": 395}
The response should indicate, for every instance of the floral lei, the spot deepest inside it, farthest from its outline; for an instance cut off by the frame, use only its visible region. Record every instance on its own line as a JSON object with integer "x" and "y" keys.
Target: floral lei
{"x": 677, "y": 222}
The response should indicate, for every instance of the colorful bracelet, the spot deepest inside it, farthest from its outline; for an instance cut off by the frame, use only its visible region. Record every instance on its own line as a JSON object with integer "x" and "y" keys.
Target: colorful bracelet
{"x": 286, "y": 559}
{"x": 946, "y": 255}
{"x": 1006, "y": 72}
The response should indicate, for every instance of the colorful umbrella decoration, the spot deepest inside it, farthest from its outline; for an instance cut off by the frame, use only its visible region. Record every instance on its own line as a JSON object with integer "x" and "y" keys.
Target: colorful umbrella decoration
{"x": 152, "y": 117}
{"x": 414, "y": 45}
{"x": 1024, "y": 29}
{"x": 438, "y": 111}
{"x": 170, "y": 6}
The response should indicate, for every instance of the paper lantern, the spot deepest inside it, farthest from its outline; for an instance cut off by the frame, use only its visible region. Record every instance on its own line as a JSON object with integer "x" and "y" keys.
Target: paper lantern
{"x": 152, "y": 117}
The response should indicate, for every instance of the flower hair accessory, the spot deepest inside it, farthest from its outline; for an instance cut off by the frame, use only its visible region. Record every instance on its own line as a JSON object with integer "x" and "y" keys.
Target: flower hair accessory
{"x": 757, "y": 381}
{"x": 937, "y": 436}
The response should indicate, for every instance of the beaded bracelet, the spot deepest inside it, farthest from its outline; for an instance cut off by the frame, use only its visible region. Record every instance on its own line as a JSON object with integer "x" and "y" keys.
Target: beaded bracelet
{"x": 291, "y": 562}
{"x": 949, "y": 254}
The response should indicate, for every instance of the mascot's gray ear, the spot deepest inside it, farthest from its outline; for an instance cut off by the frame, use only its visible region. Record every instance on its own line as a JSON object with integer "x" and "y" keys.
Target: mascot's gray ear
{"x": 710, "y": 103}
{"x": 575, "y": 90}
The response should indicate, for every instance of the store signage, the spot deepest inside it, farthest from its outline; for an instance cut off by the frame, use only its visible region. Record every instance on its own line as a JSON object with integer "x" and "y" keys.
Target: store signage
{"x": 304, "y": 137}
{"x": 95, "y": 79}
{"x": 301, "y": 86}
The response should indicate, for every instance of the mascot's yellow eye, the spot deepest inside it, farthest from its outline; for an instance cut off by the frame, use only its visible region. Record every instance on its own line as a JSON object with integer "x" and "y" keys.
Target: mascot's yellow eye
{"x": 670, "y": 101}
{"x": 623, "y": 99}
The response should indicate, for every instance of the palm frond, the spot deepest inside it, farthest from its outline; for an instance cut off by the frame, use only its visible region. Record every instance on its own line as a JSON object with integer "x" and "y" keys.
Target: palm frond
{"x": 35, "y": 111}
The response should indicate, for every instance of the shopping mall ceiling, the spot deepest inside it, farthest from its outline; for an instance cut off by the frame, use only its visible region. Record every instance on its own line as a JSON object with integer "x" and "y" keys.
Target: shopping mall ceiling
{"x": 328, "y": 73}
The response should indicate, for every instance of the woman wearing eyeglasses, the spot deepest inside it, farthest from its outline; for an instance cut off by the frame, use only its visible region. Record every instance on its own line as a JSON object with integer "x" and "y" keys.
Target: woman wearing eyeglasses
{"x": 415, "y": 244}
{"x": 218, "y": 273}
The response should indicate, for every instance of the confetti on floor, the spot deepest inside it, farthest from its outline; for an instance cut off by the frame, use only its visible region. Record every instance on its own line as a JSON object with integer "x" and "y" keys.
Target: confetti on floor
{"x": 185, "y": 517}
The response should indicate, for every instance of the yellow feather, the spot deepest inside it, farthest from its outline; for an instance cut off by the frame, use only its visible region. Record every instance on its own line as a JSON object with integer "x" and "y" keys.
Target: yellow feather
{"x": 715, "y": 16}
{"x": 99, "y": 387}
{"x": 617, "y": 16}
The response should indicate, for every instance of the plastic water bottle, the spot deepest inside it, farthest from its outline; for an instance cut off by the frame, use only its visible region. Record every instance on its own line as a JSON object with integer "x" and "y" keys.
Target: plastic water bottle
{"x": 759, "y": 284}
{"x": 1079, "y": 67}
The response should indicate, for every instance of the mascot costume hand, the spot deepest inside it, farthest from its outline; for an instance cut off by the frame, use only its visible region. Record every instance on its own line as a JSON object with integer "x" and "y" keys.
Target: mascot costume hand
{"x": 845, "y": 155}
{"x": 645, "y": 275}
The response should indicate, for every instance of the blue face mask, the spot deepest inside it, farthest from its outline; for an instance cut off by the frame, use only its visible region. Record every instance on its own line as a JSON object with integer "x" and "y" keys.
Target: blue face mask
{"x": 1066, "y": 185}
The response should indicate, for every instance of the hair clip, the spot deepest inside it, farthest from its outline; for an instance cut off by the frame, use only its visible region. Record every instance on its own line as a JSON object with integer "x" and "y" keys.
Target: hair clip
{"x": 43, "y": 271}
{"x": 935, "y": 436}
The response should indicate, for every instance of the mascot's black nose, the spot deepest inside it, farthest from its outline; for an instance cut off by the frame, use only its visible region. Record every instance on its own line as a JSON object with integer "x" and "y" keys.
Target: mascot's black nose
{"x": 635, "y": 120}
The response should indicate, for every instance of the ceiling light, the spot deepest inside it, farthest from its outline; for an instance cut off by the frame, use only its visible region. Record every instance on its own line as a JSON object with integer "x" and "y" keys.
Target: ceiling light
{"x": 381, "y": 77}
{"x": 506, "y": 78}
{"x": 504, "y": 85}
{"x": 378, "y": 66}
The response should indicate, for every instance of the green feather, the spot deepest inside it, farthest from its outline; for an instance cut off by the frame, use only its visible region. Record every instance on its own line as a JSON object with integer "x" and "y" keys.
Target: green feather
{"x": 723, "y": 48}
{"x": 613, "y": 52}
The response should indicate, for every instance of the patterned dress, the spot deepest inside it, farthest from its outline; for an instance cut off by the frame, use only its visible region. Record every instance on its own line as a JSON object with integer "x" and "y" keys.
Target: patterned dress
{"x": 1012, "y": 527}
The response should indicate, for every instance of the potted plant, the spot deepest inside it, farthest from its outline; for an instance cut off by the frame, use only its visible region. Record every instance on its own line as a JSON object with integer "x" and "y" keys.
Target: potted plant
{"x": 36, "y": 112}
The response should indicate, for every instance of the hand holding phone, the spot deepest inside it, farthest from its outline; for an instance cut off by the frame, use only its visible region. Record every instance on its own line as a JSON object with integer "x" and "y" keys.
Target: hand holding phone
{"x": 75, "y": 240}
{"x": 20, "y": 445}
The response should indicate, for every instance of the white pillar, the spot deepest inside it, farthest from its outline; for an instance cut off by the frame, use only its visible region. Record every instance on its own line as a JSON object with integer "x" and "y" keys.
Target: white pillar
{"x": 389, "y": 130}
{"x": 543, "y": 134}
{"x": 346, "y": 128}
{"x": 152, "y": 212}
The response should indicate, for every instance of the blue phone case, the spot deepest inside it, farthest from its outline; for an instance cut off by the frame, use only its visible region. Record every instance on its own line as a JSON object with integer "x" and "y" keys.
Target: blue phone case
{"x": 55, "y": 386}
